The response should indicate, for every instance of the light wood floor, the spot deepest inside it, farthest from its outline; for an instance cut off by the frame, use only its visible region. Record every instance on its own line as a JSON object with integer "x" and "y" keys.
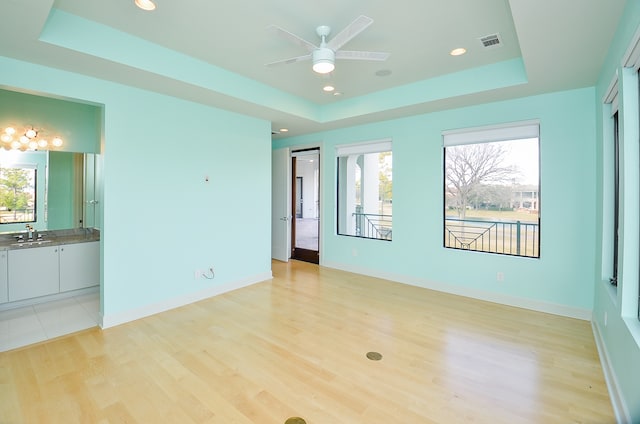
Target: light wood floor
{"x": 296, "y": 347}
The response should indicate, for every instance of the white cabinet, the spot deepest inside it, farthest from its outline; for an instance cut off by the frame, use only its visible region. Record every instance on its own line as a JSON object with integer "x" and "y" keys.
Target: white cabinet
{"x": 79, "y": 265}
{"x": 41, "y": 271}
{"x": 4, "y": 288}
{"x": 33, "y": 272}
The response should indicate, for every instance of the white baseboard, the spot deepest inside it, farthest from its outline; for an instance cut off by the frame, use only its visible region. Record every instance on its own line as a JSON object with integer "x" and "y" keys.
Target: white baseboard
{"x": 519, "y": 302}
{"x": 617, "y": 401}
{"x": 111, "y": 320}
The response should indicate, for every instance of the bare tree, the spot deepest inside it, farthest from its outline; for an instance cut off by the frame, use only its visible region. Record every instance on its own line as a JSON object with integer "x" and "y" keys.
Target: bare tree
{"x": 467, "y": 167}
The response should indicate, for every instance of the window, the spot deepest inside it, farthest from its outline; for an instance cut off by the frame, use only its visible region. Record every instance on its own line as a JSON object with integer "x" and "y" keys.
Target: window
{"x": 631, "y": 64}
{"x": 492, "y": 190}
{"x": 612, "y": 99}
{"x": 616, "y": 197}
{"x": 365, "y": 190}
{"x": 17, "y": 195}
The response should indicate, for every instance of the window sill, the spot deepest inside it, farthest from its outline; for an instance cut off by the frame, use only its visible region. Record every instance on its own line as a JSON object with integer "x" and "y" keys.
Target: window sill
{"x": 612, "y": 291}
{"x": 633, "y": 324}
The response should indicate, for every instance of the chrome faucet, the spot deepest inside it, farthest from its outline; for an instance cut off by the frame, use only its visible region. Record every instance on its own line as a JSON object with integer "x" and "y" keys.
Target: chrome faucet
{"x": 29, "y": 232}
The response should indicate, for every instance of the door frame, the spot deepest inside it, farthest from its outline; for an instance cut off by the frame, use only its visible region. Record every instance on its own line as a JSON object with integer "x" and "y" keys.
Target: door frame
{"x": 302, "y": 254}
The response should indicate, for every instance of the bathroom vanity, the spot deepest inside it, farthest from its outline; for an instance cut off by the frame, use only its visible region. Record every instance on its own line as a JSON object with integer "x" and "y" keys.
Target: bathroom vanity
{"x": 58, "y": 262}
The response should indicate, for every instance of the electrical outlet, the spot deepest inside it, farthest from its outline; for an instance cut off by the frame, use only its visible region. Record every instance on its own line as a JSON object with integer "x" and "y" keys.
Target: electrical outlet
{"x": 500, "y": 276}
{"x": 197, "y": 274}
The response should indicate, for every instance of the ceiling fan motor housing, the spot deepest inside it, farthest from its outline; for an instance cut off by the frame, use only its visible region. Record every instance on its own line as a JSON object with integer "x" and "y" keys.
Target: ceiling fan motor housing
{"x": 324, "y": 54}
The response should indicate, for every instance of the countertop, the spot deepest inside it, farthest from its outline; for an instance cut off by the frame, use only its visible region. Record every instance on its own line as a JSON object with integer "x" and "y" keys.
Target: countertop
{"x": 49, "y": 238}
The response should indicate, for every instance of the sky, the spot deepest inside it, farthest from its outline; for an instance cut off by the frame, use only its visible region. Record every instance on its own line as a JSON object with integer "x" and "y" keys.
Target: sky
{"x": 524, "y": 155}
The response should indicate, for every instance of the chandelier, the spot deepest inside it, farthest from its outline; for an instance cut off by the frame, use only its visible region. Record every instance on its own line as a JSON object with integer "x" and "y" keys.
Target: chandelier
{"x": 29, "y": 139}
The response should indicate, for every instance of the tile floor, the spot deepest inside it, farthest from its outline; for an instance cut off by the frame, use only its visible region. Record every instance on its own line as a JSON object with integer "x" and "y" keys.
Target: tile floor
{"x": 307, "y": 233}
{"x": 31, "y": 324}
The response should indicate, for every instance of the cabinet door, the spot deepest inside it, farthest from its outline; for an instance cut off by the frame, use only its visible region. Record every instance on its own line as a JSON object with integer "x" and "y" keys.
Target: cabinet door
{"x": 79, "y": 265}
{"x": 33, "y": 272}
{"x": 4, "y": 289}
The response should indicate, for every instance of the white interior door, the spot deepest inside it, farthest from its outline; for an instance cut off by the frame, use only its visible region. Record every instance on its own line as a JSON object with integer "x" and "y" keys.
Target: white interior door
{"x": 280, "y": 205}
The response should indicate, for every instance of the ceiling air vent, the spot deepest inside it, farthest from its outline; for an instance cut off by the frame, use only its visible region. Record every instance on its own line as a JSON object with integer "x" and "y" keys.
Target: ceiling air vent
{"x": 491, "y": 41}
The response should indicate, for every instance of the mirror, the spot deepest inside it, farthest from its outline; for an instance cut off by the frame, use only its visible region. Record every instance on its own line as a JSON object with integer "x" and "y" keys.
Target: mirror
{"x": 62, "y": 190}
{"x": 64, "y": 196}
{"x": 70, "y": 191}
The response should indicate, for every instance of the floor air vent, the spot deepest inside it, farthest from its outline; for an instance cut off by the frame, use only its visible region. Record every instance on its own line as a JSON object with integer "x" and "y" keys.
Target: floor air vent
{"x": 491, "y": 41}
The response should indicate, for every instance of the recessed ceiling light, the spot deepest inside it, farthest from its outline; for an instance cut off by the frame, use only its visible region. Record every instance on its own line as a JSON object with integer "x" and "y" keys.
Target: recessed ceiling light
{"x": 328, "y": 88}
{"x": 383, "y": 73}
{"x": 458, "y": 52}
{"x": 145, "y": 4}
{"x": 337, "y": 93}
{"x": 284, "y": 130}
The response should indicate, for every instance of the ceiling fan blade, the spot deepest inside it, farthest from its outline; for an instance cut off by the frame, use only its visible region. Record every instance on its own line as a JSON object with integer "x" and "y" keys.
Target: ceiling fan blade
{"x": 353, "y": 29}
{"x": 292, "y": 37}
{"x": 359, "y": 55}
{"x": 290, "y": 60}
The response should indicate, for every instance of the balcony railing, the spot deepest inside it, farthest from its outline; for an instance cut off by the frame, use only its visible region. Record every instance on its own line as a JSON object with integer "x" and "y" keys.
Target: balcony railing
{"x": 506, "y": 237}
{"x": 373, "y": 226}
{"x": 17, "y": 215}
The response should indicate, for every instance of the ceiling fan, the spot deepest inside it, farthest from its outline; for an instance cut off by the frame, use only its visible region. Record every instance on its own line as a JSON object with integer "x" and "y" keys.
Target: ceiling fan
{"x": 325, "y": 54}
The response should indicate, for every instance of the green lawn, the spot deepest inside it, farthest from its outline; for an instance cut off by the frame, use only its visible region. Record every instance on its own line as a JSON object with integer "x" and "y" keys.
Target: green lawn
{"x": 522, "y": 216}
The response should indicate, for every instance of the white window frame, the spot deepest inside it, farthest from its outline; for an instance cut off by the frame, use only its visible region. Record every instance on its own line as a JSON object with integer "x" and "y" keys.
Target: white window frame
{"x": 489, "y": 134}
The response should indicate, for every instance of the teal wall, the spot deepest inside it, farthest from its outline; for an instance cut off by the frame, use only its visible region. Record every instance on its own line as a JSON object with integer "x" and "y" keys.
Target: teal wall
{"x": 615, "y": 309}
{"x": 559, "y": 279}
{"x": 160, "y": 221}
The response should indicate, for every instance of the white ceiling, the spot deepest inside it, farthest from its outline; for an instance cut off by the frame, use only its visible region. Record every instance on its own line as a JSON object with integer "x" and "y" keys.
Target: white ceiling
{"x": 195, "y": 48}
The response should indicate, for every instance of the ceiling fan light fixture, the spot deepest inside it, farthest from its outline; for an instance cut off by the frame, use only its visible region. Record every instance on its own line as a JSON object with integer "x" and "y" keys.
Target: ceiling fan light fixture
{"x": 145, "y": 4}
{"x": 323, "y": 66}
{"x": 323, "y": 60}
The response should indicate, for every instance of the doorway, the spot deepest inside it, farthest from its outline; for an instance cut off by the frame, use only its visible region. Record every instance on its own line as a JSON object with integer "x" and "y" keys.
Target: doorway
{"x": 305, "y": 189}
